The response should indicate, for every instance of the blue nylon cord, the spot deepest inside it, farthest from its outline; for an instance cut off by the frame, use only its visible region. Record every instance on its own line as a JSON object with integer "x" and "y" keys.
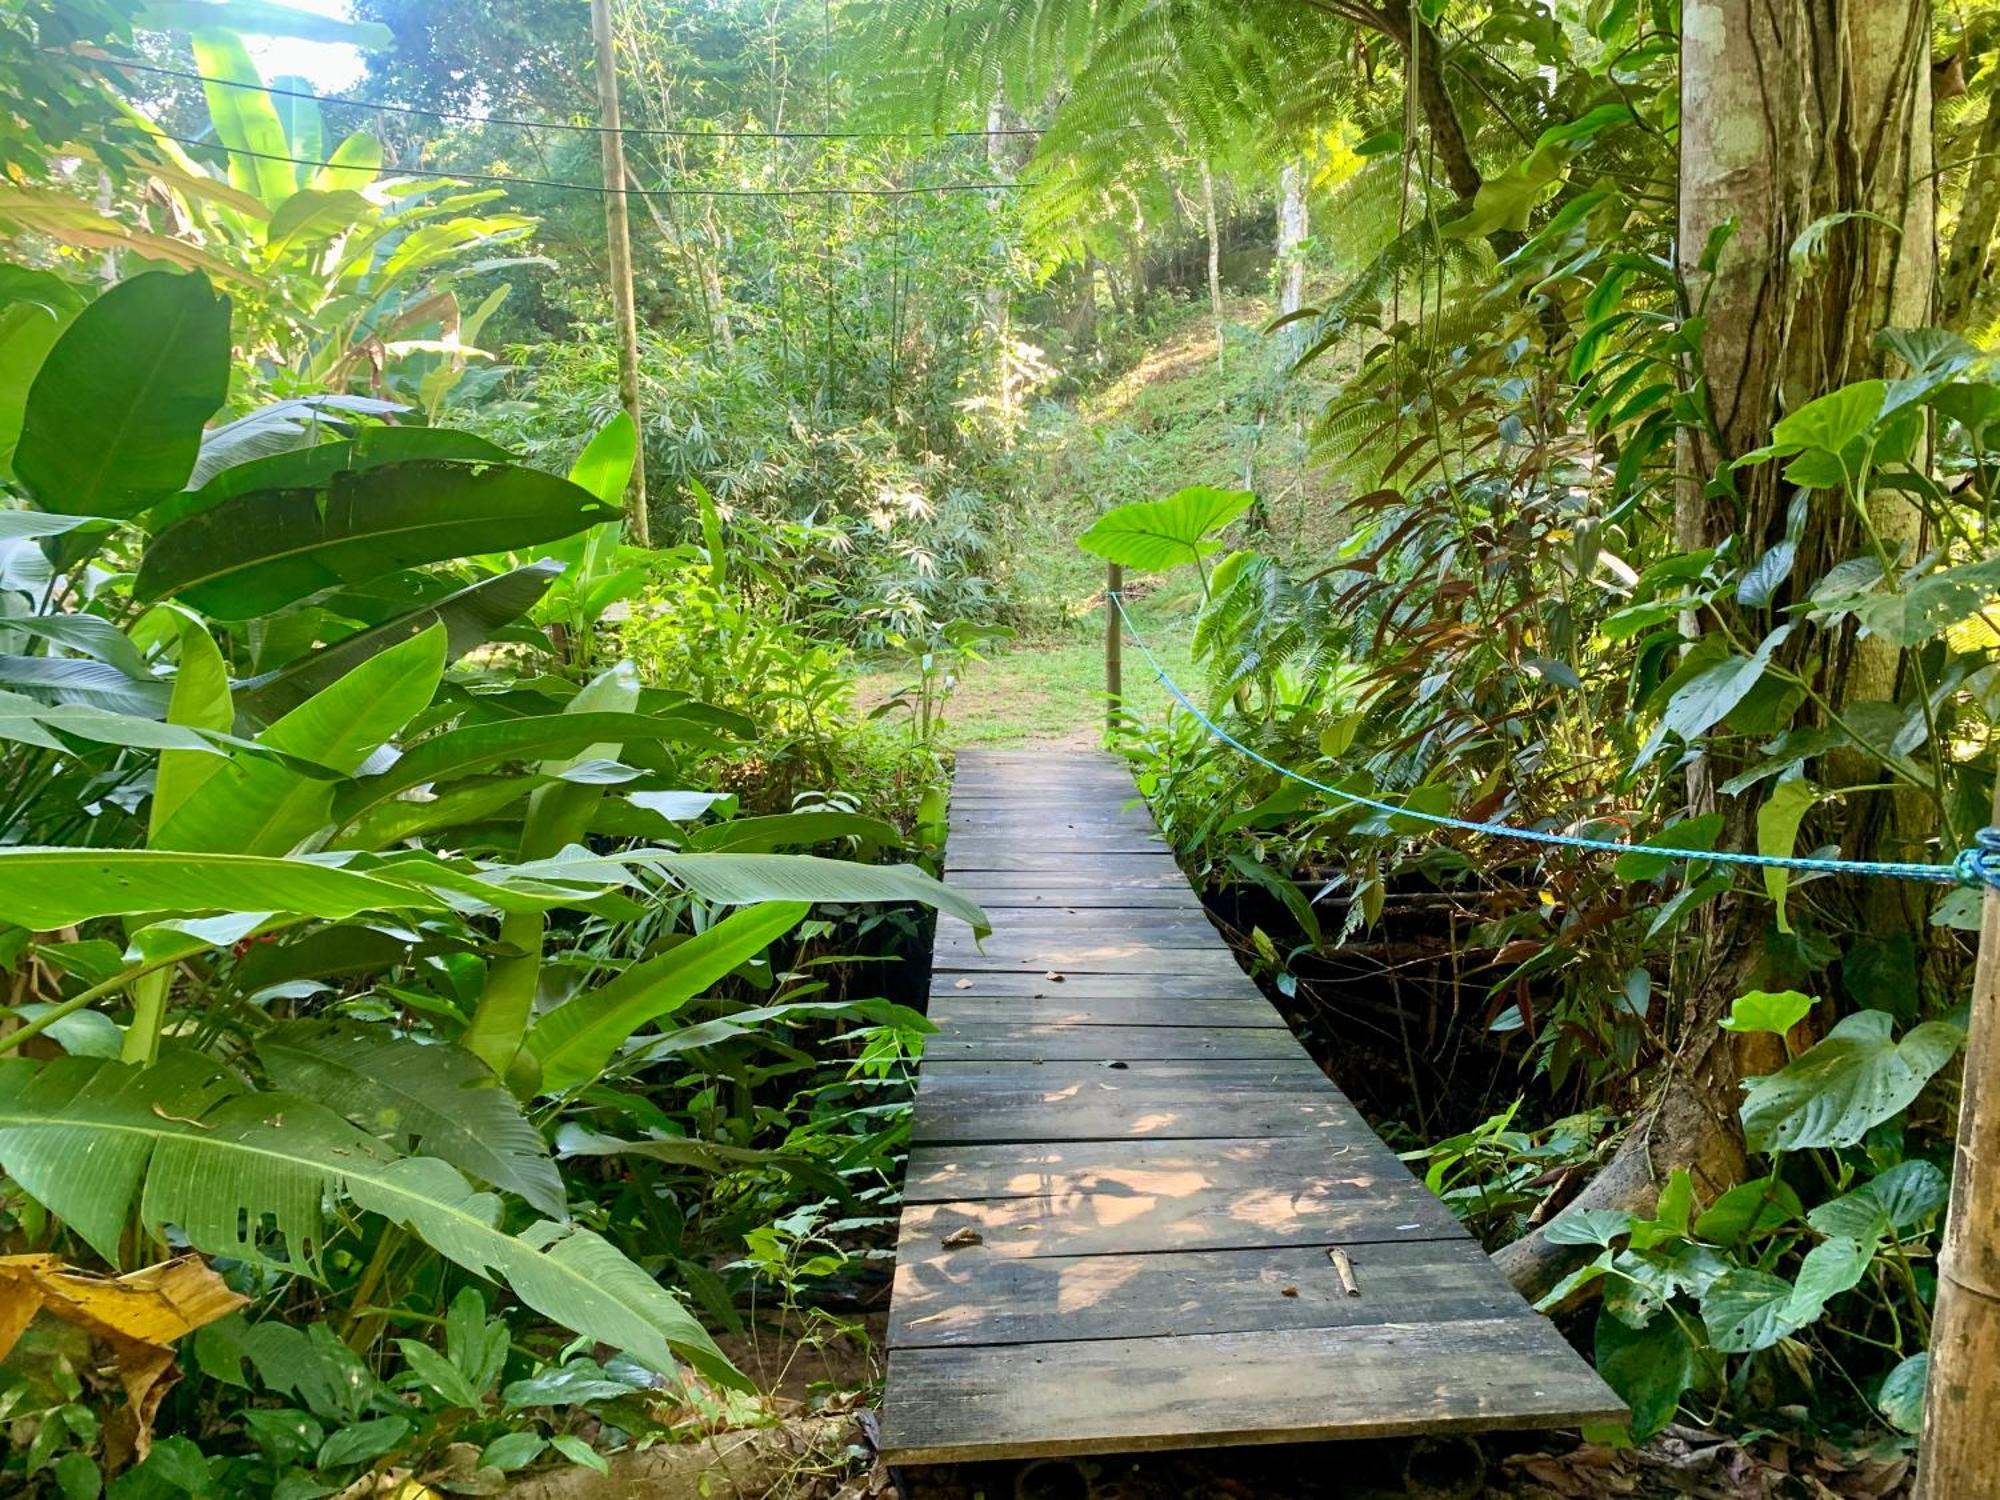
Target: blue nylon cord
{"x": 1977, "y": 866}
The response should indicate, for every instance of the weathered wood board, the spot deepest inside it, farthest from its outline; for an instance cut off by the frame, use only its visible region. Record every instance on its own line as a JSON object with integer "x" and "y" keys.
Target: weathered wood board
{"x": 1134, "y": 1202}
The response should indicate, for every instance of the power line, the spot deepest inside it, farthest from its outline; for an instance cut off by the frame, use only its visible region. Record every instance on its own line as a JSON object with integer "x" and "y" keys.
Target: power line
{"x": 345, "y": 102}
{"x": 503, "y": 179}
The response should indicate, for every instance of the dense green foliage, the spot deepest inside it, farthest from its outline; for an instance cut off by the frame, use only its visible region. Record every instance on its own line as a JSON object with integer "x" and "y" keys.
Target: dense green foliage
{"x": 348, "y": 747}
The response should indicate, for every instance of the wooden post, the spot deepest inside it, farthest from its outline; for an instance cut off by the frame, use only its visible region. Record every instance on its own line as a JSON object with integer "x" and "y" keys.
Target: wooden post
{"x": 1114, "y": 644}
{"x": 1959, "y": 1456}
{"x": 619, "y": 235}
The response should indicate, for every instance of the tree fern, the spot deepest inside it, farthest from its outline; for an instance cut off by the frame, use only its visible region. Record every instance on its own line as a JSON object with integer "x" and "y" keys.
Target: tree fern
{"x": 91, "y": 1140}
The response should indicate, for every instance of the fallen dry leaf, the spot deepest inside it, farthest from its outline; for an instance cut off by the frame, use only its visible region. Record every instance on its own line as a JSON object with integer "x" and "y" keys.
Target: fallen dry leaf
{"x": 139, "y": 1315}
{"x": 1053, "y": 977}
{"x": 958, "y": 1239}
{"x": 963, "y": 984}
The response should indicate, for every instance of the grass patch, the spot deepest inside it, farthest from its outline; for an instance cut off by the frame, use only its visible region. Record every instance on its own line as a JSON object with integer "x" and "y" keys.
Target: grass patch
{"x": 1051, "y": 691}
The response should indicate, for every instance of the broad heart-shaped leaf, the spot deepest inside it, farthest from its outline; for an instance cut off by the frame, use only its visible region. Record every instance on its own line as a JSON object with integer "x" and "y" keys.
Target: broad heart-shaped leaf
{"x": 1835, "y": 419}
{"x": 1764, "y": 1010}
{"x": 114, "y": 418}
{"x": 469, "y": 617}
{"x": 43, "y": 889}
{"x": 1748, "y": 1310}
{"x": 87, "y": 1137}
{"x": 741, "y": 879}
{"x": 444, "y": 1098}
{"x": 1649, "y": 1367}
{"x": 258, "y": 552}
{"x": 1901, "y": 1398}
{"x": 578, "y": 1038}
{"x": 1748, "y": 1211}
{"x": 1899, "y": 1198}
{"x": 1839, "y": 1090}
{"x": 254, "y": 805}
{"x": 1155, "y": 534}
{"x": 1830, "y": 1268}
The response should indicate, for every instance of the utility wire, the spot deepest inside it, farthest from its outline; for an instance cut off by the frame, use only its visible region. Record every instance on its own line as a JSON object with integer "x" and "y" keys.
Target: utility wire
{"x": 509, "y": 180}
{"x": 345, "y": 102}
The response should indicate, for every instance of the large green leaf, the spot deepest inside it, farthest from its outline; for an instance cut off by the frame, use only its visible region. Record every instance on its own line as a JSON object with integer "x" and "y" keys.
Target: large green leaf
{"x": 1155, "y": 534}
{"x": 1839, "y": 1090}
{"x": 245, "y": 119}
{"x": 114, "y": 418}
{"x": 742, "y": 879}
{"x": 87, "y": 1138}
{"x": 469, "y": 617}
{"x": 298, "y": 468}
{"x": 263, "y": 18}
{"x": 43, "y": 889}
{"x": 92, "y": 683}
{"x": 277, "y": 428}
{"x": 201, "y": 701}
{"x": 576, "y": 1039}
{"x": 1902, "y": 1395}
{"x": 1747, "y": 1310}
{"x": 1901, "y": 1197}
{"x": 443, "y": 1097}
{"x": 257, "y": 552}
{"x": 547, "y": 738}
{"x": 1649, "y": 1367}
{"x": 796, "y": 830}
{"x": 605, "y": 465}
{"x": 255, "y": 805}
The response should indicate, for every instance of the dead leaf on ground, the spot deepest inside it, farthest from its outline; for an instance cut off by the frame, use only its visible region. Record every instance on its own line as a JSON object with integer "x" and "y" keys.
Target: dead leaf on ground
{"x": 140, "y": 1315}
{"x": 958, "y": 1239}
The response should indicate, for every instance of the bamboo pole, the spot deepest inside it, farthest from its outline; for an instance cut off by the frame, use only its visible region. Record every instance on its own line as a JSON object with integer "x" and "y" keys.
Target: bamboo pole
{"x": 1959, "y": 1457}
{"x": 1114, "y": 645}
{"x": 618, "y": 233}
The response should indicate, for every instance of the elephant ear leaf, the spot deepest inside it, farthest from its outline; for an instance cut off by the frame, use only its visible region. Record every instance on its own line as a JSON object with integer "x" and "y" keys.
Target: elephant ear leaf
{"x": 444, "y": 1098}
{"x": 238, "y": 1174}
{"x": 114, "y": 419}
{"x": 1156, "y": 534}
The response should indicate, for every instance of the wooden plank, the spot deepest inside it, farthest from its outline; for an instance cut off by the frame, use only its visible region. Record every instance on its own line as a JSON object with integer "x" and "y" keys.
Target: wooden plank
{"x": 950, "y": 1297}
{"x": 1161, "y": 896}
{"x": 1130, "y": 958}
{"x": 974, "y": 851}
{"x": 1072, "y": 1006}
{"x": 1380, "y": 1204}
{"x": 1076, "y": 865}
{"x": 950, "y": 1174}
{"x": 1067, "y": 920}
{"x": 1101, "y": 1113}
{"x": 991, "y": 1041}
{"x": 1207, "y": 1390}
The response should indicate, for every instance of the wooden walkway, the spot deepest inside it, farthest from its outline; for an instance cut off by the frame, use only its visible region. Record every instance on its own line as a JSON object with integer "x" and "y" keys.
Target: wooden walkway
{"x": 1128, "y": 1182}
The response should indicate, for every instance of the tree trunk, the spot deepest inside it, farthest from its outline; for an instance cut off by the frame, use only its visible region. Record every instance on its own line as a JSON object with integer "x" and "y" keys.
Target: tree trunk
{"x": 1292, "y": 229}
{"x": 1972, "y": 236}
{"x": 1803, "y": 113}
{"x": 1214, "y": 254}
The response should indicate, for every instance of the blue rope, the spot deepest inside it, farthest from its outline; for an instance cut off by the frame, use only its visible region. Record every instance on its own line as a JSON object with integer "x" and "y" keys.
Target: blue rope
{"x": 1977, "y": 866}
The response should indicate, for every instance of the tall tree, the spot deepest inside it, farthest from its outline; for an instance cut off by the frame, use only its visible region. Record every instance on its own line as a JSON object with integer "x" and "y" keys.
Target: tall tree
{"x": 1806, "y": 226}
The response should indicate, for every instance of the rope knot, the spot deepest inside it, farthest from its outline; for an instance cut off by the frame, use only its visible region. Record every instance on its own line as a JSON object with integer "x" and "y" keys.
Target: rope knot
{"x": 1980, "y": 865}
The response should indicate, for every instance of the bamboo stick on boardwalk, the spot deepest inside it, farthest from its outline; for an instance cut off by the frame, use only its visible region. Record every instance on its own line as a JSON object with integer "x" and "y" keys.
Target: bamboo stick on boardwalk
{"x": 1959, "y": 1457}
{"x": 1114, "y": 645}
{"x": 618, "y": 234}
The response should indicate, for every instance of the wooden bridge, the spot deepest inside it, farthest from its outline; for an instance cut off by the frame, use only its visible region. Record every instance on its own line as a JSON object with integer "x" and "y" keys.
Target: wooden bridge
{"x": 1138, "y": 1215}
